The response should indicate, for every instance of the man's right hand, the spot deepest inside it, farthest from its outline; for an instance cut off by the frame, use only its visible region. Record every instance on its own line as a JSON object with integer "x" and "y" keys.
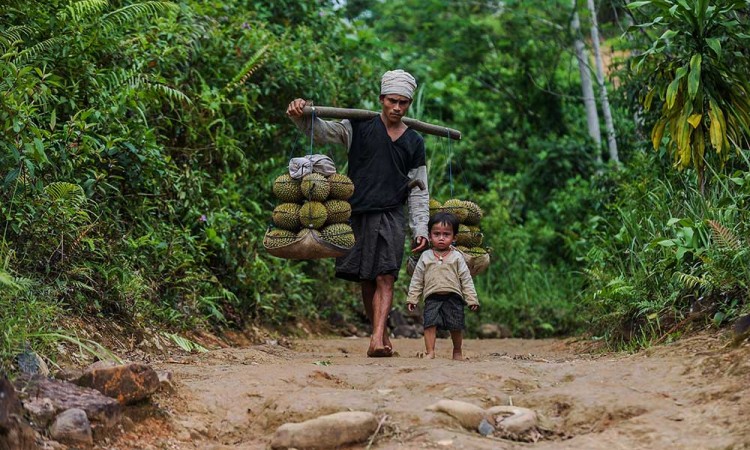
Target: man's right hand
{"x": 297, "y": 106}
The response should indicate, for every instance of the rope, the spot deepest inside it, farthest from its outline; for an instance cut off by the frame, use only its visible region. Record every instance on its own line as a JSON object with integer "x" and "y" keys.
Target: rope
{"x": 312, "y": 130}
{"x": 450, "y": 160}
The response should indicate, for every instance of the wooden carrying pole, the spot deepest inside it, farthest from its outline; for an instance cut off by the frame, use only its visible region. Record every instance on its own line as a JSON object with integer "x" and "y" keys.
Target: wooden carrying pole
{"x": 327, "y": 112}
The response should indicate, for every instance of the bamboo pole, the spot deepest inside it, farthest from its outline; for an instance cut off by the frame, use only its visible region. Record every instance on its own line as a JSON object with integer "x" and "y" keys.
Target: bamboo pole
{"x": 328, "y": 112}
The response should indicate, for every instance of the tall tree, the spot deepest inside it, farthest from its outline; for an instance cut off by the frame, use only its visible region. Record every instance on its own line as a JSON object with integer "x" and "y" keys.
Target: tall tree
{"x": 587, "y": 86}
{"x": 606, "y": 110}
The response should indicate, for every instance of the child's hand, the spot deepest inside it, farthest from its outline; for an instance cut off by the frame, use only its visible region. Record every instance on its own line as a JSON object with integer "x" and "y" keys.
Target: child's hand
{"x": 474, "y": 307}
{"x": 411, "y": 306}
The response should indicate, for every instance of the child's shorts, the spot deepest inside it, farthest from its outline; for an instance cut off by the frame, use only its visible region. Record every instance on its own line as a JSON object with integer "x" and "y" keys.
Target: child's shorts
{"x": 446, "y": 311}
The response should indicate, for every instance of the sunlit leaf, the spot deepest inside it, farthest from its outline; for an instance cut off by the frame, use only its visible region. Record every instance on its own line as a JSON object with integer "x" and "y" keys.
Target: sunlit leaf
{"x": 694, "y": 79}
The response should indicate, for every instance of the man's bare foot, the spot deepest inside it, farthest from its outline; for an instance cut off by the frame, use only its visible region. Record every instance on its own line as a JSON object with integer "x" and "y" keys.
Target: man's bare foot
{"x": 458, "y": 355}
{"x": 426, "y": 355}
{"x": 379, "y": 352}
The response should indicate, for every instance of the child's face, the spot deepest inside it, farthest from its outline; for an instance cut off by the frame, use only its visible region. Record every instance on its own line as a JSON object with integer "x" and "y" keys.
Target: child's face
{"x": 441, "y": 236}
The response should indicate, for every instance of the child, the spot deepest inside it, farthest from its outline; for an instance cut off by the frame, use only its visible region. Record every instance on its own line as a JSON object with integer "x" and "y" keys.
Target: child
{"x": 443, "y": 279}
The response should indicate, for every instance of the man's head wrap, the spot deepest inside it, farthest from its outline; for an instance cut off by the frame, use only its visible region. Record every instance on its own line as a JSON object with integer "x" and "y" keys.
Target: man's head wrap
{"x": 398, "y": 82}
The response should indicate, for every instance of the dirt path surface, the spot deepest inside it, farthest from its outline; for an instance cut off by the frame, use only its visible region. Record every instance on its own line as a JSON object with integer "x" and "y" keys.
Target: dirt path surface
{"x": 694, "y": 394}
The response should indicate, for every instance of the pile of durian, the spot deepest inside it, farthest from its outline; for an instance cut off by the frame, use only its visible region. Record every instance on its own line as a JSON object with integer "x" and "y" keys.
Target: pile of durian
{"x": 315, "y": 203}
{"x": 470, "y": 237}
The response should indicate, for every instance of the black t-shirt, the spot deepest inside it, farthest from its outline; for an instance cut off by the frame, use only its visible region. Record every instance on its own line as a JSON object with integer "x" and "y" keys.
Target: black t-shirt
{"x": 379, "y": 167}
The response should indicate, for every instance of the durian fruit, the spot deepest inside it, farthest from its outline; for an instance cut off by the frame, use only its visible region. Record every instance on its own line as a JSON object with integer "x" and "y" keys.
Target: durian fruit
{"x": 286, "y": 216}
{"x": 313, "y": 215}
{"x": 339, "y": 234}
{"x": 476, "y": 251}
{"x": 342, "y": 187}
{"x": 338, "y": 211}
{"x": 463, "y": 237}
{"x": 279, "y": 238}
{"x": 457, "y": 208}
{"x": 315, "y": 187}
{"x": 475, "y": 236}
{"x": 462, "y": 248}
{"x": 474, "y": 213}
{"x": 287, "y": 189}
{"x": 435, "y": 207}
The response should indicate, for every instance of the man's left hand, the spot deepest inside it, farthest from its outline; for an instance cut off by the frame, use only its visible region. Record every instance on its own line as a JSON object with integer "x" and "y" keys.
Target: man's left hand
{"x": 421, "y": 244}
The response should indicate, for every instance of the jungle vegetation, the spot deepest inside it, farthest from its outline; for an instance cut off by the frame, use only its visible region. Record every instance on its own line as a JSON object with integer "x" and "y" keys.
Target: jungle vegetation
{"x": 139, "y": 140}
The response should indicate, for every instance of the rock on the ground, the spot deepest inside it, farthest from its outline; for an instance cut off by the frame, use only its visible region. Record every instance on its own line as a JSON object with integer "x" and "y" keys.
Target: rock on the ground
{"x": 128, "y": 383}
{"x": 64, "y": 395}
{"x": 166, "y": 383}
{"x": 41, "y": 410}
{"x": 493, "y": 331}
{"x": 468, "y": 415}
{"x": 15, "y": 433}
{"x": 408, "y": 331}
{"x": 509, "y": 422}
{"x": 513, "y": 419}
{"x": 72, "y": 426}
{"x": 329, "y": 431}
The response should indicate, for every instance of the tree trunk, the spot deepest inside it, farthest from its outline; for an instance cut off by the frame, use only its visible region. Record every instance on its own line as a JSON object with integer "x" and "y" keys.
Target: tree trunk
{"x": 608, "y": 123}
{"x": 592, "y": 117}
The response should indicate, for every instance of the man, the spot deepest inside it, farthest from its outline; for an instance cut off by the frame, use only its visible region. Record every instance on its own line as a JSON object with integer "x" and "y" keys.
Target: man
{"x": 385, "y": 157}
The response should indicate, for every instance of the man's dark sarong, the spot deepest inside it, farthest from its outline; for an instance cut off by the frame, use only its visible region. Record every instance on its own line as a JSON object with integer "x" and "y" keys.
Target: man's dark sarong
{"x": 379, "y": 248}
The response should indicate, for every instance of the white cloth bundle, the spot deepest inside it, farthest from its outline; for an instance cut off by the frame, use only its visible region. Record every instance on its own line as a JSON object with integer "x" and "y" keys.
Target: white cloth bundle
{"x": 322, "y": 164}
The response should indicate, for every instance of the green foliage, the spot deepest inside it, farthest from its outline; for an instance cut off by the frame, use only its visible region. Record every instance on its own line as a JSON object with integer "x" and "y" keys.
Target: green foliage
{"x": 140, "y": 139}
{"x": 696, "y": 72}
{"x": 664, "y": 252}
{"x": 137, "y": 150}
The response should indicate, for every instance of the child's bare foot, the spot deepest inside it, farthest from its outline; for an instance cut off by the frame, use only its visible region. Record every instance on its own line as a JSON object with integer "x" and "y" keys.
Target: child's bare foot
{"x": 458, "y": 355}
{"x": 426, "y": 355}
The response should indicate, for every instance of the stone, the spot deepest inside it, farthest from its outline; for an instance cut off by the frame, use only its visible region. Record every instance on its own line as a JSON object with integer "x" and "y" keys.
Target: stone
{"x": 325, "y": 432}
{"x": 72, "y": 426}
{"x": 128, "y": 383}
{"x": 493, "y": 331}
{"x": 166, "y": 384}
{"x": 41, "y": 410}
{"x": 64, "y": 395}
{"x": 408, "y": 331}
{"x": 514, "y": 419}
{"x": 485, "y": 428}
{"x": 468, "y": 415}
{"x": 30, "y": 363}
{"x": 15, "y": 432}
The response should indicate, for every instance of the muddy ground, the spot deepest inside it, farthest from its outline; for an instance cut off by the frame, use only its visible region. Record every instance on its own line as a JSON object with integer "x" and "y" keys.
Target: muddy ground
{"x": 694, "y": 394}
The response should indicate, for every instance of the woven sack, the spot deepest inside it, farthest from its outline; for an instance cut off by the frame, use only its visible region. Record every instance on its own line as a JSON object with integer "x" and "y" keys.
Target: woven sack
{"x": 477, "y": 263}
{"x": 308, "y": 246}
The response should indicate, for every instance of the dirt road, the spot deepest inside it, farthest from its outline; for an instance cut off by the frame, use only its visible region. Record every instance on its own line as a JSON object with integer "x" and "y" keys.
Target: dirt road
{"x": 694, "y": 394}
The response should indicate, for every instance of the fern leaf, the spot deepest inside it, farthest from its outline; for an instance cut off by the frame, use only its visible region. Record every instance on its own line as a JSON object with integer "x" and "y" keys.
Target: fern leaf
{"x": 691, "y": 281}
{"x": 724, "y": 236}
{"x": 139, "y": 82}
{"x": 253, "y": 64}
{"x": 81, "y": 286}
{"x": 14, "y": 36}
{"x": 184, "y": 343}
{"x": 62, "y": 190}
{"x": 136, "y": 11}
{"x": 169, "y": 92}
{"x": 82, "y": 9}
{"x": 46, "y": 46}
{"x": 7, "y": 280}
